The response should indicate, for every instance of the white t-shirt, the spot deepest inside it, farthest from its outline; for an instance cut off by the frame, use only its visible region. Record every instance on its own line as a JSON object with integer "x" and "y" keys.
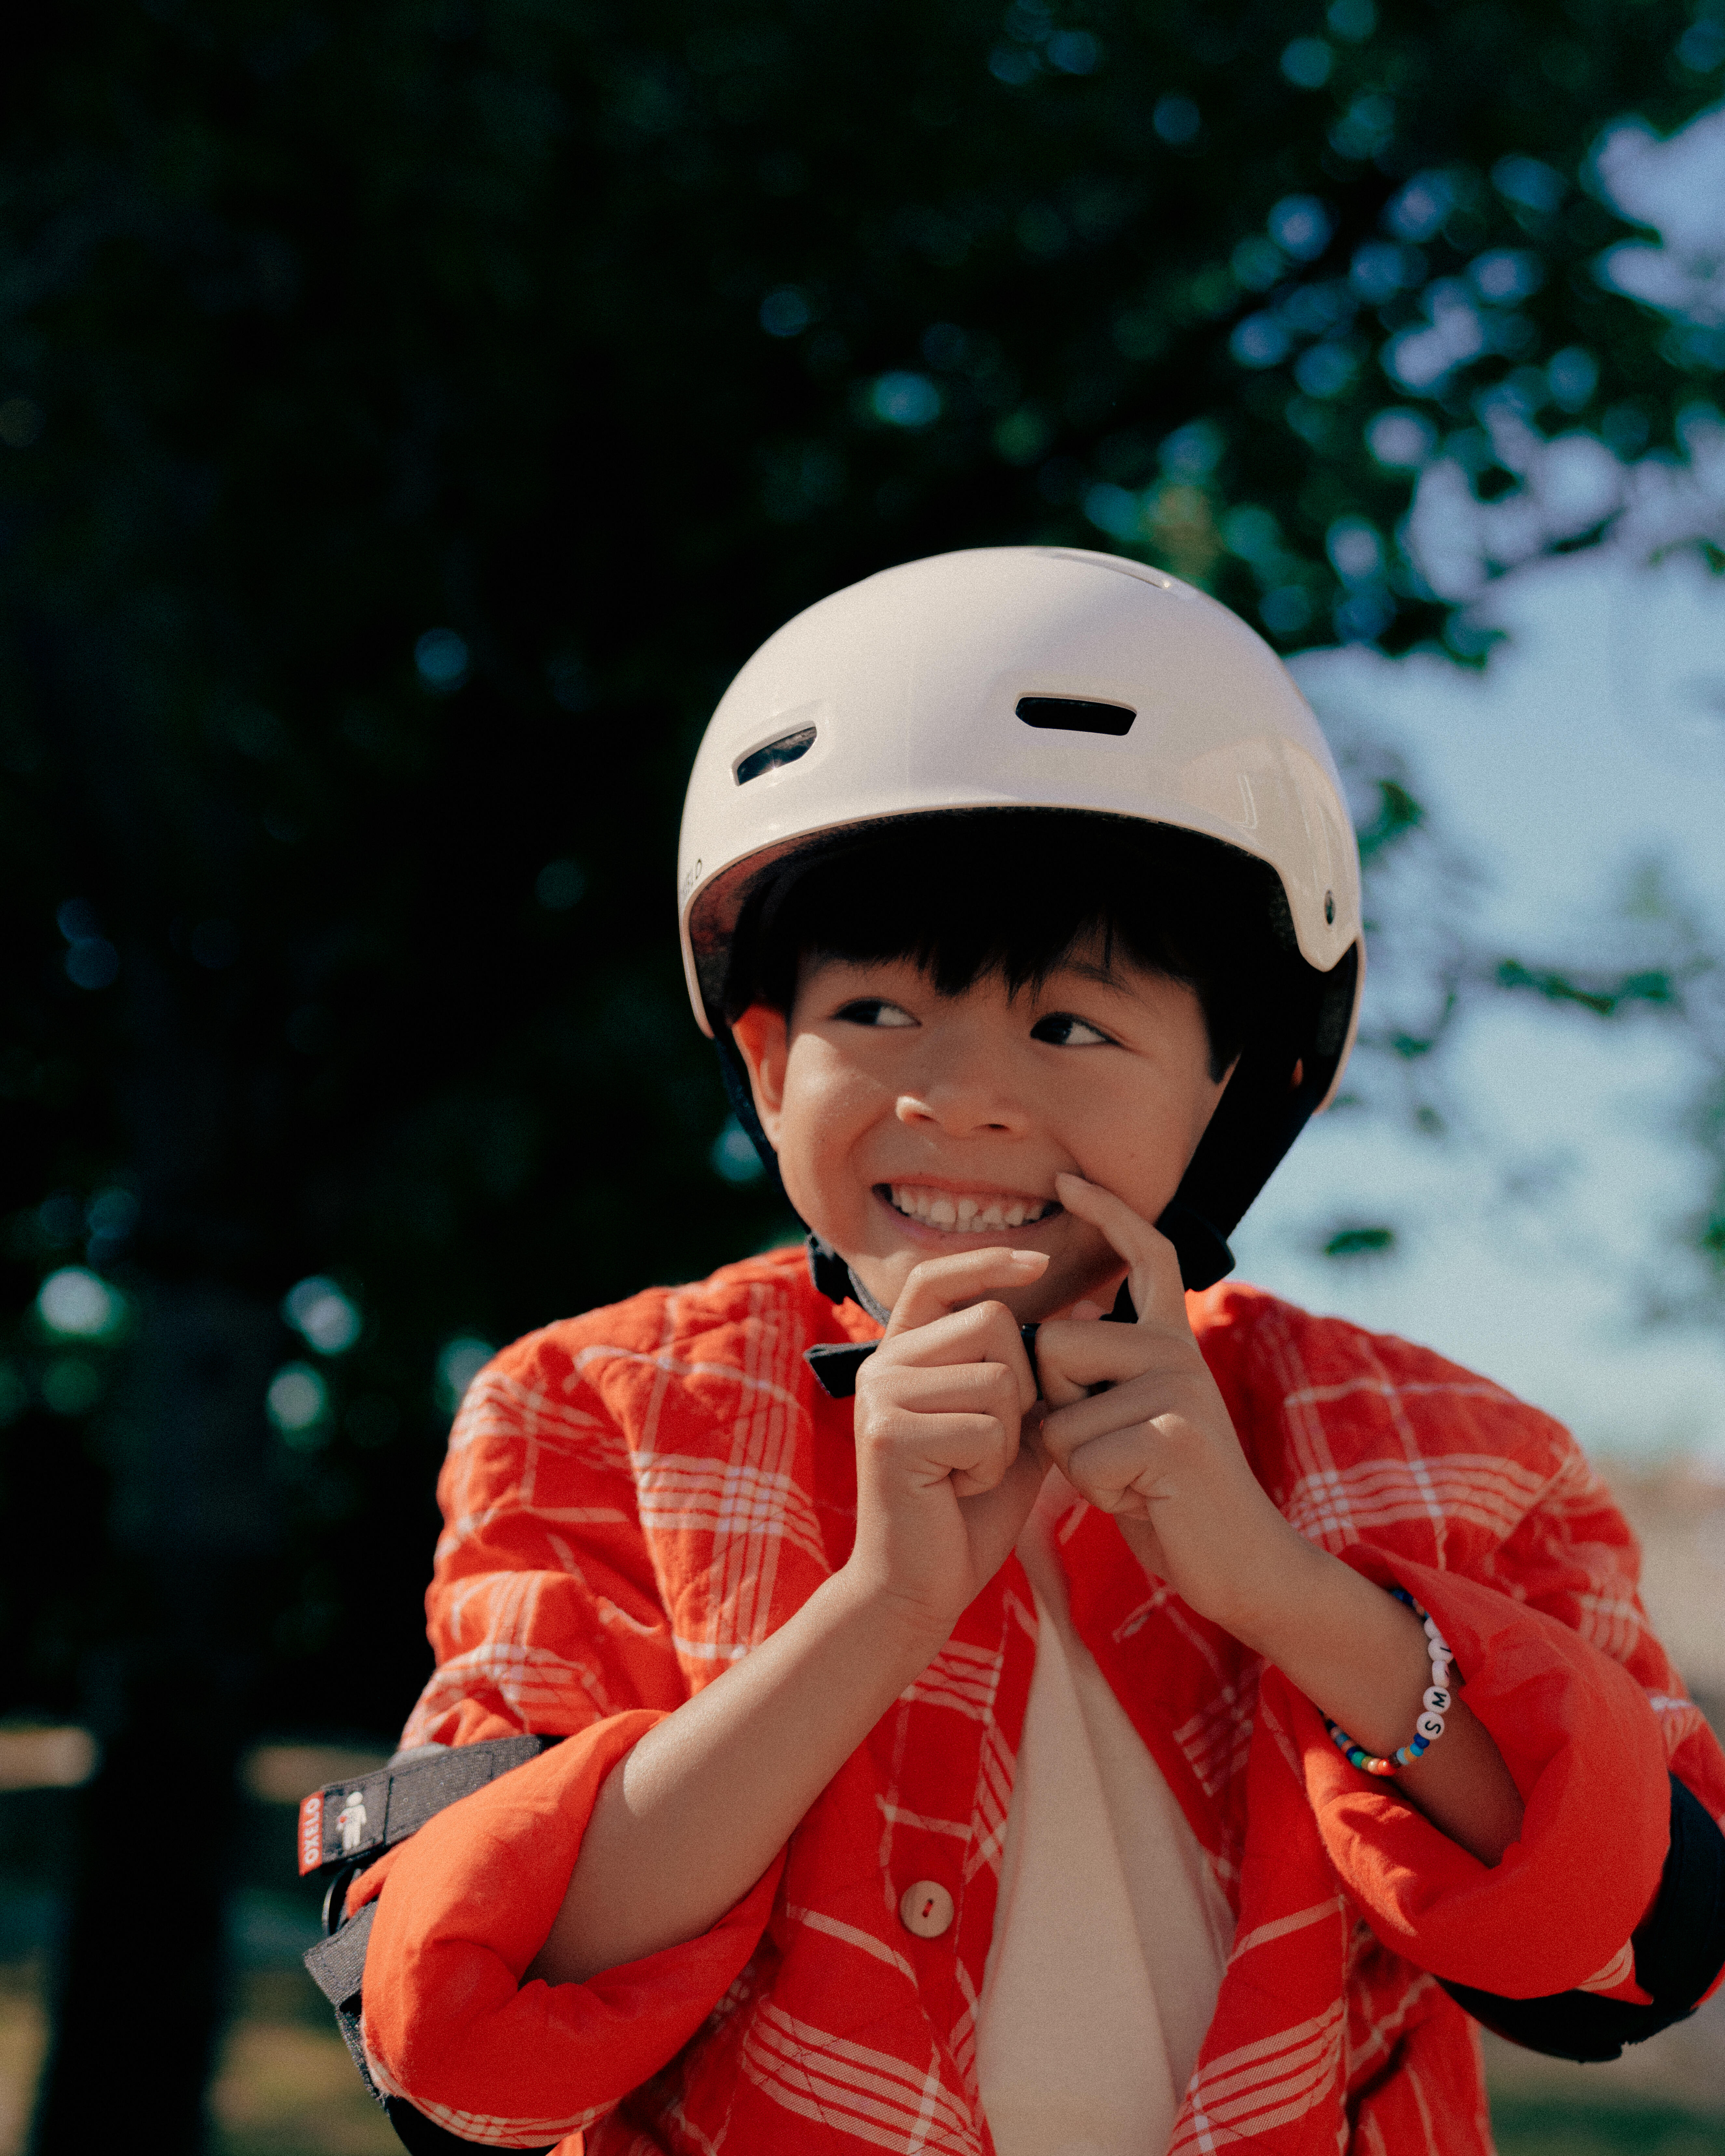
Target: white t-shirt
{"x": 1111, "y": 1933}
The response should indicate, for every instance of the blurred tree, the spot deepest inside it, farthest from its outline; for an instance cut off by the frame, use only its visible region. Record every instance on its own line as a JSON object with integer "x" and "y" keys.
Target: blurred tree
{"x": 409, "y": 414}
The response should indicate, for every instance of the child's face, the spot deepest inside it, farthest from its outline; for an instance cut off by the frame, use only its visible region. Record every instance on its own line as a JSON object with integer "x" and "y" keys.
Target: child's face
{"x": 909, "y": 1125}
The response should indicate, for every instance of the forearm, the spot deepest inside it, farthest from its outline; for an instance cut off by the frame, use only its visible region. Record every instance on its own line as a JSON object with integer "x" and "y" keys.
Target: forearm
{"x": 1360, "y": 1657}
{"x": 687, "y": 1822}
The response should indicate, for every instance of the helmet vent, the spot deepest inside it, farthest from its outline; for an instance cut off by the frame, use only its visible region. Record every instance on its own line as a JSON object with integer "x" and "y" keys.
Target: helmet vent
{"x": 785, "y": 750}
{"x": 1075, "y": 714}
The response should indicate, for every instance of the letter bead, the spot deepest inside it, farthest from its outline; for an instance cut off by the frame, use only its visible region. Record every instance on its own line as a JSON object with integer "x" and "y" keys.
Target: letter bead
{"x": 1434, "y": 1703}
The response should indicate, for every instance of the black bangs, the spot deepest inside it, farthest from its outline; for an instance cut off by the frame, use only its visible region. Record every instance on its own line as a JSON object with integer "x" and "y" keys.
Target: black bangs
{"x": 1012, "y": 892}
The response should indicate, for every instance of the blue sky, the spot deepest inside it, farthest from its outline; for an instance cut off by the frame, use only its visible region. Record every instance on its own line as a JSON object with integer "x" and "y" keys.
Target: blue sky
{"x": 1593, "y": 743}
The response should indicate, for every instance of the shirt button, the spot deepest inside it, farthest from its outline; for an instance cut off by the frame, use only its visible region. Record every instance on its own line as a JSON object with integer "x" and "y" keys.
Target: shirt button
{"x": 926, "y": 1909}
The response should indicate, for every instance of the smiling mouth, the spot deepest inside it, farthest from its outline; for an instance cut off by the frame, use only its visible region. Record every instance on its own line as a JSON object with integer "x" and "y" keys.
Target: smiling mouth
{"x": 963, "y": 1213}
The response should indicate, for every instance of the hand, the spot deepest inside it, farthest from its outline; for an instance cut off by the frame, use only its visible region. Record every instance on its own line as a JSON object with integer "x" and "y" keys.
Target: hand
{"x": 947, "y": 1467}
{"x": 1139, "y": 1429}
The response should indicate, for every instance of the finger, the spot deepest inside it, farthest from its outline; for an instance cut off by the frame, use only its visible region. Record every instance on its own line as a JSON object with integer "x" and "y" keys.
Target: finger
{"x": 1073, "y": 1358}
{"x": 1153, "y": 1269}
{"x": 973, "y": 1451}
{"x": 940, "y": 1285}
{"x": 947, "y": 1388}
{"x": 1066, "y": 1429}
{"x": 980, "y": 1332}
{"x": 1108, "y": 1470}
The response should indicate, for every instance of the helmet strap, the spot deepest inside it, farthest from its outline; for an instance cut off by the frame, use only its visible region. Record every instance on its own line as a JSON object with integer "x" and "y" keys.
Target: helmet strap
{"x": 837, "y": 1282}
{"x": 1204, "y": 1255}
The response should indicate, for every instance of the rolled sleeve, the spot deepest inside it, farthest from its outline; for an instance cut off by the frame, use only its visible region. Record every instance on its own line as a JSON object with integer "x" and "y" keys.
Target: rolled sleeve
{"x": 1583, "y": 1747}
{"x": 462, "y": 1910}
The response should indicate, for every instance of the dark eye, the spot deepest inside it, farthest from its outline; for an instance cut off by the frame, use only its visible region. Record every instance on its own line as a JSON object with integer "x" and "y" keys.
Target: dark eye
{"x": 873, "y": 1010}
{"x": 1062, "y": 1029}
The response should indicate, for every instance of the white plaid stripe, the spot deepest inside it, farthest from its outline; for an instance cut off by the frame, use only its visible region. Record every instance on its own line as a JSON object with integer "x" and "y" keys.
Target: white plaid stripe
{"x": 729, "y": 1509}
{"x": 494, "y": 2131}
{"x": 852, "y": 1935}
{"x": 867, "y": 2094}
{"x": 1259, "y": 2086}
{"x": 962, "y": 1677}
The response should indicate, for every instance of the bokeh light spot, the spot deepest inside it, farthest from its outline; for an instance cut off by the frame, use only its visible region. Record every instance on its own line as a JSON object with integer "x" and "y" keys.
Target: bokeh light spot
{"x": 1075, "y": 52}
{"x": 459, "y": 1362}
{"x": 1573, "y": 374}
{"x": 1401, "y": 440}
{"x": 1260, "y": 341}
{"x": 1176, "y": 119}
{"x": 78, "y": 1304}
{"x": 1355, "y": 548}
{"x": 1507, "y": 274}
{"x": 785, "y": 312}
{"x": 1022, "y": 436}
{"x": 112, "y": 1214}
{"x": 1251, "y": 533}
{"x": 70, "y": 1386}
{"x": 93, "y": 963}
{"x": 1380, "y": 270}
{"x": 1353, "y": 20}
{"x": 1300, "y": 225}
{"x": 559, "y": 884}
{"x": 1529, "y": 182}
{"x": 1421, "y": 207}
{"x": 298, "y": 1404}
{"x": 733, "y": 1156}
{"x": 1306, "y": 63}
{"x": 903, "y": 399}
{"x": 442, "y": 659}
{"x": 324, "y": 1317}
{"x": 1325, "y": 370}
{"x": 1013, "y": 65}
{"x": 1192, "y": 451}
{"x": 1286, "y": 610}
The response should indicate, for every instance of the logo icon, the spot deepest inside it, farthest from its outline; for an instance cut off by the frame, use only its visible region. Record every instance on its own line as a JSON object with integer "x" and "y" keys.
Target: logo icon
{"x": 350, "y": 1820}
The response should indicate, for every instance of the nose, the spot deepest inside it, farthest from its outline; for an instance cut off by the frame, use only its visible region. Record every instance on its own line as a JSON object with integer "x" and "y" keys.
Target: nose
{"x": 966, "y": 1093}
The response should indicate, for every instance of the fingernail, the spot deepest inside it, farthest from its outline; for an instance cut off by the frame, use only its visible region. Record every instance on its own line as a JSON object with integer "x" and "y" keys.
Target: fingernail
{"x": 1030, "y": 1260}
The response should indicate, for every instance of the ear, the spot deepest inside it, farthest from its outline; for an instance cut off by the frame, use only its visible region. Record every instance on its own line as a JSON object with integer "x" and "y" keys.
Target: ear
{"x": 762, "y": 1037}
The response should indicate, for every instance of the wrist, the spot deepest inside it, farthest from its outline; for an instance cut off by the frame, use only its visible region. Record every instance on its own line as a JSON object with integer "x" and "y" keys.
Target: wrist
{"x": 903, "y": 1634}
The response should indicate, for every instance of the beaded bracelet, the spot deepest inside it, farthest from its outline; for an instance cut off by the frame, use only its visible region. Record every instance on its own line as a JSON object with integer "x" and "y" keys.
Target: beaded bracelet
{"x": 1435, "y": 1704}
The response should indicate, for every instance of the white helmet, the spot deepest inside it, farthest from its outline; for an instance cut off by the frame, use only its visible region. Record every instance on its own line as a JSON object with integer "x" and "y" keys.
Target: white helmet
{"x": 1038, "y": 677}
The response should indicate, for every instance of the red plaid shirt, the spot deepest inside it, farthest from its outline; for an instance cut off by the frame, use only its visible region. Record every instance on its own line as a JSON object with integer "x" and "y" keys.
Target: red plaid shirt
{"x": 635, "y": 1497}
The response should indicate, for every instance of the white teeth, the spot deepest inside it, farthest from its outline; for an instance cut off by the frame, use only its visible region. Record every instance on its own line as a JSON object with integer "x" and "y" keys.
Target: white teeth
{"x": 968, "y": 1215}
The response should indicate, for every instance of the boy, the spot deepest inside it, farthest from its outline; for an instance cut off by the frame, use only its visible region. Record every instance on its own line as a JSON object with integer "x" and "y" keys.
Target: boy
{"x": 1058, "y": 1748}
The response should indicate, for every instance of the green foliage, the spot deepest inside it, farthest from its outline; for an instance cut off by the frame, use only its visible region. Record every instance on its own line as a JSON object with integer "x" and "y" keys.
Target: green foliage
{"x": 1360, "y": 1243}
{"x": 1606, "y": 996}
{"x": 409, "y": 414}
{"x": 1397, "y": 814}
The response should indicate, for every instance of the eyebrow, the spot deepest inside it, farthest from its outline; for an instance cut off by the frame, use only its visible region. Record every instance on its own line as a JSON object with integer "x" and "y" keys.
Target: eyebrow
{"x": 1103, "y": 974}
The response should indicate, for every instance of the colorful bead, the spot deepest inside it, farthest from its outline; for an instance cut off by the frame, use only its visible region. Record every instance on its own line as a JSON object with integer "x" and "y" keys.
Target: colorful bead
{"x": 1436, "y": 1702}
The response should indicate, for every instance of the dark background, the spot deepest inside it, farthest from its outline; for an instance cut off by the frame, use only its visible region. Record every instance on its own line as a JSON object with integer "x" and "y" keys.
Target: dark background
{"x": 409, "y": 417}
